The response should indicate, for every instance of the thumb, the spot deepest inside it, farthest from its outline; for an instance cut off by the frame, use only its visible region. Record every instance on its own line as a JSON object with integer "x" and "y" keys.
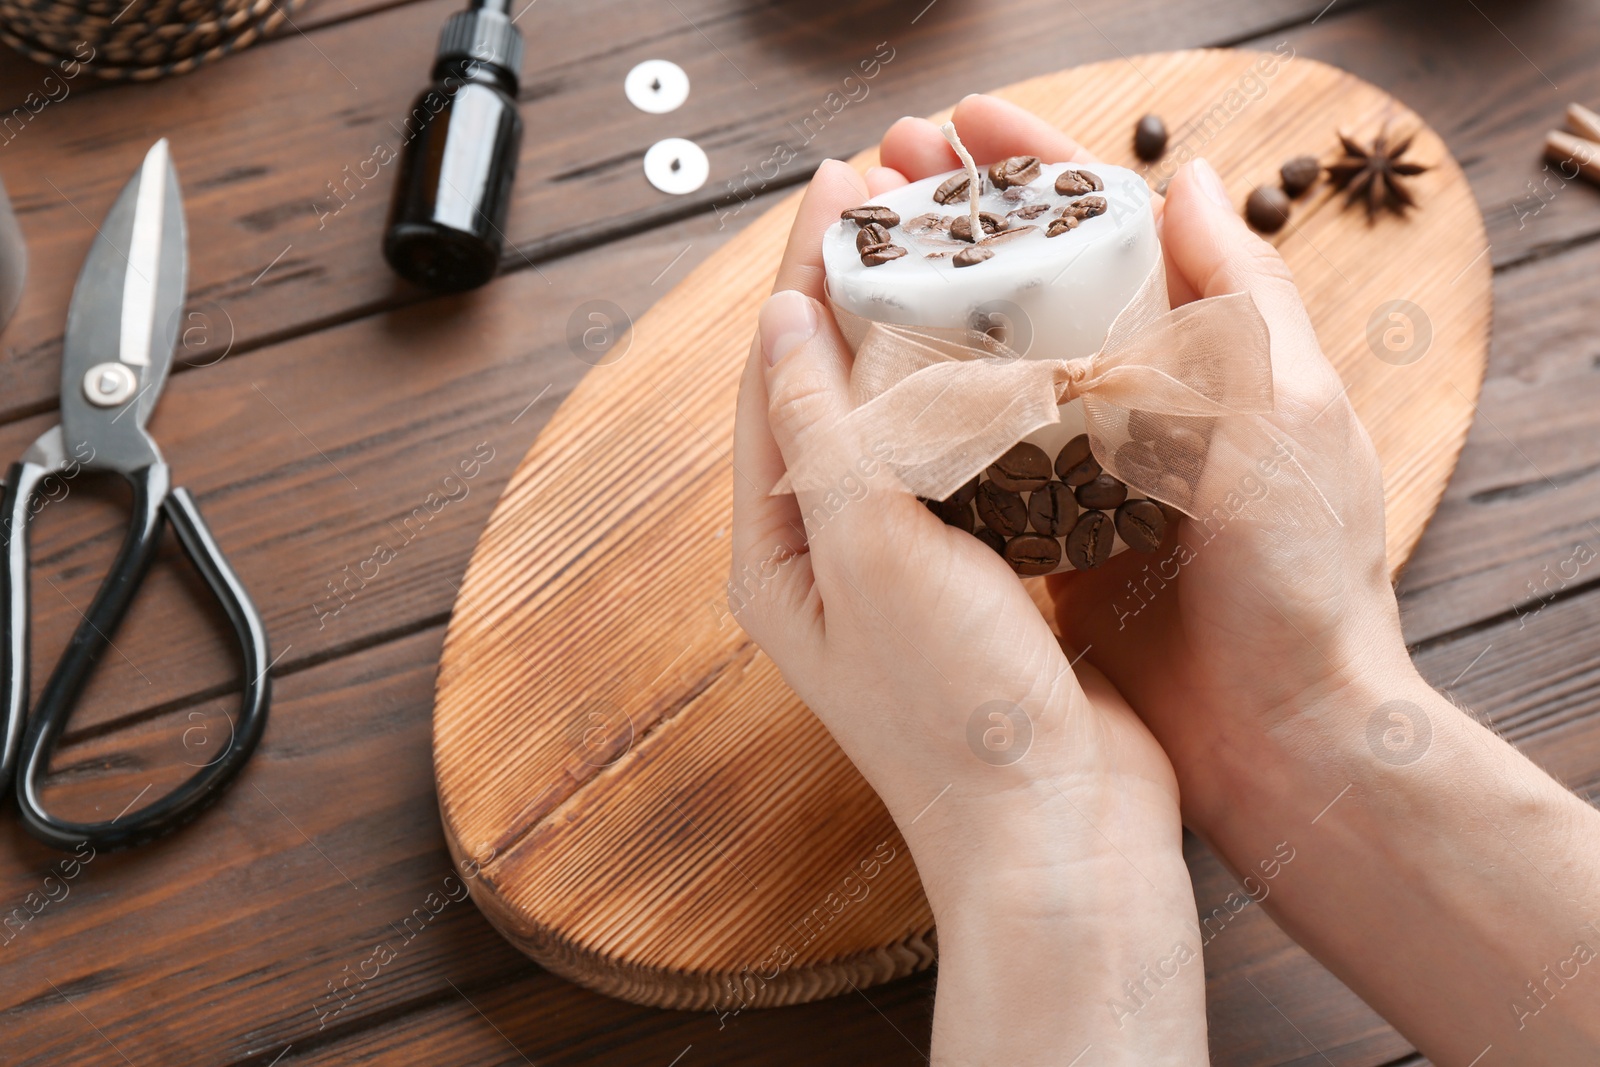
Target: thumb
{"x": 1209, "y": 246}
{"x": 807, "y": 370}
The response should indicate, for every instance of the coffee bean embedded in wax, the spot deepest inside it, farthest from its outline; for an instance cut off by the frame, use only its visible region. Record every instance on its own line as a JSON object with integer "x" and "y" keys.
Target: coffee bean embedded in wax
{"x": 880, "y": 254}
{"x": 871, "y": 213}
{"x": 1078, "y": 182}
{"x": 961, "y": 226}
{"x": 1018, "y": 170}
{"x": 952, "y": 189}
{"x": 1087, "y": 208}
{"x": 873, "y": 233}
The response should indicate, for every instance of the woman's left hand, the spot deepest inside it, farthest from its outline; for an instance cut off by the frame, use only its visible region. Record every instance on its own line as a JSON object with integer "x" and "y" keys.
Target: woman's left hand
{"x": 1042, "y": 815}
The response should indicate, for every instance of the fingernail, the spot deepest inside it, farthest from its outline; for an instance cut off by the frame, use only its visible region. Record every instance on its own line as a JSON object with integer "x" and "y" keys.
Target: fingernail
{"x": 1211, "y": 185}
{"x": 788, "y": 319}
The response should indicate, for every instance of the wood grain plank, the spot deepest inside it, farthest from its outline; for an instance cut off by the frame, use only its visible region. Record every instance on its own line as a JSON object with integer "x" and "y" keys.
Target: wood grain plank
{"x": 306, "y": 457}
{"x": 1491, "y": 77}
{"x": 1520, "y": 521}
{"x": 215, "y": 945}
{"x": 221, "y": 941}
{"x": 263, "y": 142}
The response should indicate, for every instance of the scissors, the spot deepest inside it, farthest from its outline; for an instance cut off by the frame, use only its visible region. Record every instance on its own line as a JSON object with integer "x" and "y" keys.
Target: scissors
{"x": 121, "y": 330}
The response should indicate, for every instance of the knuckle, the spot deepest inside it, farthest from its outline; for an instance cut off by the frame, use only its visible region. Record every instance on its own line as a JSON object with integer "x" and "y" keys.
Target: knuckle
{"x": 800, "y": 399}
{"x": 1255, "y": 258}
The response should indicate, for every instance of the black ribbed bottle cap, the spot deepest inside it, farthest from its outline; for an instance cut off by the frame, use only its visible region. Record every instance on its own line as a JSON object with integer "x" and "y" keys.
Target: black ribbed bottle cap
{"x": 484, "y": 35}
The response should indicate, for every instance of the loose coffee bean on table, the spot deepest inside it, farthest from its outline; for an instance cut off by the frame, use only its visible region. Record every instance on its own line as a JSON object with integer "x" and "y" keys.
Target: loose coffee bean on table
{"x": 1018, "y": 170}
{"x": 971, "y": 257}
{"x": 953, "y": 513}
{"x": 1076, "y": 463}
{"x": 1002, "y": 510}
{"x": 1023, "y": 468}
{"x": 1150, "y": 138}
{"x": 871, "y": 213}
{"x": 1141, "y": 524}
{"x": 992, "y": 539}
{"x": 1031, "y": 554}
{"x": 1089, "y": 543}
{"x": 1103, "y": 492}
{"x": 1058, "y": 227}
{"x": 1267, "y": 209}
{"x": 1299, "y": 174}
{"x": 1078, "y": 182}
{"x": 1052, "y": 510}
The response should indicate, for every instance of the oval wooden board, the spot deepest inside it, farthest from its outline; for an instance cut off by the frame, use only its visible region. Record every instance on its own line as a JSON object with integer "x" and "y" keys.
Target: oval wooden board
{"x": 662, "y": 819}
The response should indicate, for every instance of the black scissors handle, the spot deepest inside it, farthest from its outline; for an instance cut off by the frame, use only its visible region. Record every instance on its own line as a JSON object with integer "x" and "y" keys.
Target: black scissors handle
{"x": 29, "y": 739}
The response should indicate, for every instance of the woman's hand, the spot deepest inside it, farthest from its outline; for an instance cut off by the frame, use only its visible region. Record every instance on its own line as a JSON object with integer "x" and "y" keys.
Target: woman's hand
{"x": 1445, "y": 878}
{"x": 1041, "y": 813}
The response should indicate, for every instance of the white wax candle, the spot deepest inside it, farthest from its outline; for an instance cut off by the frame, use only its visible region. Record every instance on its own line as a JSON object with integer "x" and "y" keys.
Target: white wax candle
{"x": 1055, "y": 296}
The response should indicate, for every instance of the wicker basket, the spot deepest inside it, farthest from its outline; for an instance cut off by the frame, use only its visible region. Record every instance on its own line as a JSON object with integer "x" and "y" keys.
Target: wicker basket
{"x": 137, "y": 39}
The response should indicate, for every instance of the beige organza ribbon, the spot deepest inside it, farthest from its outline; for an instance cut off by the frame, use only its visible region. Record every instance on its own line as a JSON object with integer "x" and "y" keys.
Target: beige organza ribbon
{"x": 938, "y": 405}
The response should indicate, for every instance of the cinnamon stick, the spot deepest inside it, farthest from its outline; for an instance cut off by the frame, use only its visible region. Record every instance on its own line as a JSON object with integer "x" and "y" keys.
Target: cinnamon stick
{"x": 1559, "y": 147}
{"x": 1583, "y": 122}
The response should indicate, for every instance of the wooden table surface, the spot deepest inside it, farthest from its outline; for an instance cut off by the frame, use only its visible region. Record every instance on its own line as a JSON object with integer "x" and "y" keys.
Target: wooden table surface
{"x": 322, "y": 405}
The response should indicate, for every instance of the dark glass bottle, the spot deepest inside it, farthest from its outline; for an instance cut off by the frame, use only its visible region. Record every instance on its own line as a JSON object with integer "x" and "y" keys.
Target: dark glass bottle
{"x": 447, "y": 221}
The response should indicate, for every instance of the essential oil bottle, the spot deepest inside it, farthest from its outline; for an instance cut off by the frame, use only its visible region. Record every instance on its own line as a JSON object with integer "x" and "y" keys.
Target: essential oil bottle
{"x": 447, "y": 221}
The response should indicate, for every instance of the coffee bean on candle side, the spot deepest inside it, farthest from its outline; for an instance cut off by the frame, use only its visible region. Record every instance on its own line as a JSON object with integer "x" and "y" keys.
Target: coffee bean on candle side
{"x": 1031, "y": 554}
{"x": 1002, "y": 510}
{"x": 1060, "y": 295}
{"x": 1141, "y": 524}
{"x": 1076, "y": 464}
{"x": 1089, "y": 544}
{"x": 1024, "y": 467}
{"x": 1052, "y": 510}
{"x": 1104, "y": 491}
{"x": 953, "y": 513}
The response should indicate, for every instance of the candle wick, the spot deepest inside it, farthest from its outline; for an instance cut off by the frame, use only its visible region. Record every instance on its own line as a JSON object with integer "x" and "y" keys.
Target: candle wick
{"x": 974, "y": 179}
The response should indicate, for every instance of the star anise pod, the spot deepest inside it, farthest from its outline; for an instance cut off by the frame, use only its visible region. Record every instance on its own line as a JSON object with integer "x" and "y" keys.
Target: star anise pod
{"x": 1376, "y": 175}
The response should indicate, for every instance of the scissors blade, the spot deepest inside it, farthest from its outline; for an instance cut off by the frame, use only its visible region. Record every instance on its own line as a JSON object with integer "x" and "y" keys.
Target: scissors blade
{"x": 124, "y": 319}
